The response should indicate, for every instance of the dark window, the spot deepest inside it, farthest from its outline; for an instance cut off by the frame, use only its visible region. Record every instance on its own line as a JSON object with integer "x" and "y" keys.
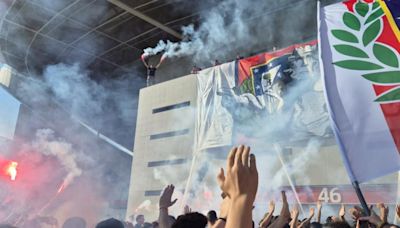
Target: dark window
{"x": 166, "y": 162}
{"x": 169, "y": 134}
{"x": 170, "y": 107}
{"x": 153, "y": 193}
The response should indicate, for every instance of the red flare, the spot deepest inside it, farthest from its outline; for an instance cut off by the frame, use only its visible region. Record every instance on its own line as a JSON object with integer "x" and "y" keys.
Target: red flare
{"x": 163, "y": 57}
{"x": 11, "y": 170}
{"x": 144, "y": 56}
{"x": 8, "y": 169}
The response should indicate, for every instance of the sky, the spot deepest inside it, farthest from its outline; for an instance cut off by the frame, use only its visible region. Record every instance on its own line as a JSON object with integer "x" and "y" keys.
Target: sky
{"x": 9, "y": 109}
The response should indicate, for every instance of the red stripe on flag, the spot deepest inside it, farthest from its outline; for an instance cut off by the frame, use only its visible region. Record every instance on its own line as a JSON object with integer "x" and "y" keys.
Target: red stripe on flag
{"x": 391, "y": 112}
{"x": 388, "y": 37}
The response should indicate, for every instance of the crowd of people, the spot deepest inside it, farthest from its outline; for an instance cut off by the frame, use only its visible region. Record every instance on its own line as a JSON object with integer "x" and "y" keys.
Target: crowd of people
{"x": 238, "y": 184}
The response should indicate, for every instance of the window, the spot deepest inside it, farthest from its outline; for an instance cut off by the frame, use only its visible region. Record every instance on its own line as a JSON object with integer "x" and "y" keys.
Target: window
{"x": 169, "y": 134}
{"x": 167, "y": 162}
{"x": 152, "y": 193}
{"x": 171, "y": 107}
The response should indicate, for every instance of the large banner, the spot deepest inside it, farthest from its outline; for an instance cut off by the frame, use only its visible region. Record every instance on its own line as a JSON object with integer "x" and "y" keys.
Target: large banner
{"x": 268, "y": 97}
{"x": 360, "y": 49}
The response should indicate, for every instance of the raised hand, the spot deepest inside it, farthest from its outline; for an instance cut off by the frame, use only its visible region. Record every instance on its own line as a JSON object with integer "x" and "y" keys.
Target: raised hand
{"x": 355, "y": 212}
{"x": 307, "y": 221}
{"x": 164, "y": 203}
{"x": 284, "y": 217}
{"x": 265, "y": 222}
{"x": 373, "y": 219}
{"x": 319, "y": 209}
{"x": 294, "y": 214}
{"x": 285, "y": 213}
{"x": 312, "y": 212}
{"x": 319, "y": 205}
{"x": 271, "y": 207}
{"x": 241, "y": 178}
{"x": 240, "y": 184}
{"x": 342, "y": 212}
{"x": 165, "y": 199}
{"x": 384, "y": 211}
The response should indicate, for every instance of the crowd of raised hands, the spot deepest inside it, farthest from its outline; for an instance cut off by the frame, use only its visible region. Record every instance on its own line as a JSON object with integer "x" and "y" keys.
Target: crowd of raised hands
{"x": 239, "y": 183}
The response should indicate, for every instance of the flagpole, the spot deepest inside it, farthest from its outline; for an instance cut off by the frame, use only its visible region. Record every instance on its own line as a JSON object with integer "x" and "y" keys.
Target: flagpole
{"x": 292, "y": 186}
{"x": 354, "y": 181}
{"x": 361, "y": 198}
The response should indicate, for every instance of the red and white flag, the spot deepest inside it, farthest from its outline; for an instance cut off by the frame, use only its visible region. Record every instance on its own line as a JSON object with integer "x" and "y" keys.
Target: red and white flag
{"x": 360, "y": 49}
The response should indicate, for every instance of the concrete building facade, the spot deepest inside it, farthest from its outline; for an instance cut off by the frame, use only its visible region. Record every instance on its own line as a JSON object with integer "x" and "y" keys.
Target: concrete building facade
{"x": 164, "y": 148}
{"x": 163, "y": 142}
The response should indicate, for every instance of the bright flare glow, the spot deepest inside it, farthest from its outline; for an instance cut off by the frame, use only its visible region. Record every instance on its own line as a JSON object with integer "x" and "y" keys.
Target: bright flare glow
{"x": 12, "y": 170}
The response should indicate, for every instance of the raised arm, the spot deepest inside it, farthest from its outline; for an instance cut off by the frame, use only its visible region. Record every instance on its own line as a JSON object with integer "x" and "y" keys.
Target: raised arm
{"x": 264, "y": 223}
{"x": 294, "y": 216}
{"x": 284, "y": 217}
{"x": 143, "y": 58}
{"x": 163, "y": 57}
{"x": 223, "y": 213}
{"x": 307, "y": 222}
{"x": 342, "y": 213}
{"x": 240, "y": 184}
{"x": 373, "y": 219}
{"x": 165, "y": 202}
{"x": 383, "y": 212}
{"x": 319, "y": 209}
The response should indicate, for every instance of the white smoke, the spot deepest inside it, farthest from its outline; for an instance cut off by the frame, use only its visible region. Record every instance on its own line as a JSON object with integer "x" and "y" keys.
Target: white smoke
{"x": 48, "y": 144}
{"x": 233, "y": 27}
{"x": 214, "y": 32}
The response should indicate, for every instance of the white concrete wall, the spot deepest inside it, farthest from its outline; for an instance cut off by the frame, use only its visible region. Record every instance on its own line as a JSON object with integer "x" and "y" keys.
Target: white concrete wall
{"x": 144, "y": 178}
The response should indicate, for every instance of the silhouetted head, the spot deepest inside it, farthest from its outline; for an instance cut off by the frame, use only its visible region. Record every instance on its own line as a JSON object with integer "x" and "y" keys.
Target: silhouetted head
{"x": 140, "y": 219}
{"x": 315, "y": 225}
{"x": 337, "y": 225}
{"x": 110, "y": 223}
{"x": 212, "y": 217}
{"x": 191, "y": 220}
{"x": 74, "y": 222}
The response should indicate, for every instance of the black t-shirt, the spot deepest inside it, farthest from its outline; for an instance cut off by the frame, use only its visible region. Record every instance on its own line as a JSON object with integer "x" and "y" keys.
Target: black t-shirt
{"x": 151, "y": 71}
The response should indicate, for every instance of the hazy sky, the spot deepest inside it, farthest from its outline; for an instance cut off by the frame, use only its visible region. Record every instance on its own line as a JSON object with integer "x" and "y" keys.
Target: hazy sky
{"x": 9, "y": 108}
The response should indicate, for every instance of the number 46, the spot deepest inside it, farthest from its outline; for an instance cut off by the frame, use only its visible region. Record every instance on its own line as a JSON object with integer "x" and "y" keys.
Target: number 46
{"x": 333, "y": 196}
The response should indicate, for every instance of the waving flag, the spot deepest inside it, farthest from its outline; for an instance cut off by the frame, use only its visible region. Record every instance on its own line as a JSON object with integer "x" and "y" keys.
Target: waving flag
{"x": 360, "y": 49}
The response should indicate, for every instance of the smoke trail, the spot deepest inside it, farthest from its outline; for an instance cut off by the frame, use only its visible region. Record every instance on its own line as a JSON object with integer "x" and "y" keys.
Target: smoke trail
{"x": 234, "y": 27}
{"x": 48, "y": 144}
